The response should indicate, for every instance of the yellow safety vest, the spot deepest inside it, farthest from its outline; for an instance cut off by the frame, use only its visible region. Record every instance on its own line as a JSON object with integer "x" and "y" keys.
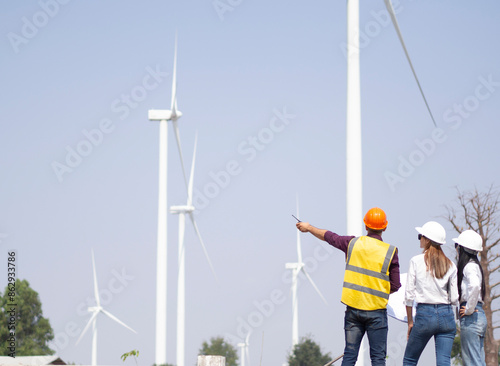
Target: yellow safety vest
{"x": 366, "y": 279}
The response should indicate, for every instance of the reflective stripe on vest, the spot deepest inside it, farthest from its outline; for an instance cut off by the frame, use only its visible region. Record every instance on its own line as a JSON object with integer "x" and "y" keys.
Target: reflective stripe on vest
{"x": 366, "y": 279}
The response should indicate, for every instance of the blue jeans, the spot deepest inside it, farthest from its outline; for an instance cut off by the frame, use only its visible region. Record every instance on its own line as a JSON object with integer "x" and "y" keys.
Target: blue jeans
{"x": 356, "y": 323}
{"x": 431, "y": 320}
{"x": 472, "y": 331}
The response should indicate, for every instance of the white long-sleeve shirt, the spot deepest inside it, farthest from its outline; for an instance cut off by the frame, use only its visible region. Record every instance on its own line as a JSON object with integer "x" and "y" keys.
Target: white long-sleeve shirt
{"x": 423, "y": 288}
{"x": 471, "y": 287}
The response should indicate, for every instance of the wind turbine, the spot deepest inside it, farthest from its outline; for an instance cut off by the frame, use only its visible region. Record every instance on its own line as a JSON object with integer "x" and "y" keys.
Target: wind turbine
{"x": 95, "y": 310}
{"x": 353, "y": 128}
{"x": 163, "y": 116}
{"x": 297, "y": 268}
{"x": 182, "y": 211}
{"x": 245, "y": 356}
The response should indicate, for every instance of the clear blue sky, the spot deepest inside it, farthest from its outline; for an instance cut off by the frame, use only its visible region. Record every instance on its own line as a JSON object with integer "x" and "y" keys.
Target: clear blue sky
{"x": 71, "y": 68}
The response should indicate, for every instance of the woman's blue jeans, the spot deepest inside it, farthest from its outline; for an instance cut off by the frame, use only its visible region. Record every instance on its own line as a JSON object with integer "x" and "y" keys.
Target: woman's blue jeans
{"x": 431, "y": 320}
{"x": 356, "y": 323}
{"x": 472, "y": 331}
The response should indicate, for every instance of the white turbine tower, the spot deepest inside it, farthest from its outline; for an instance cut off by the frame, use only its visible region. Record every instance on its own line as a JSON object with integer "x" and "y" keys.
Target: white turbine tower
{"x": 182, "y": 211}
{"x": 244, "y": 354}
{"x": 95, "y": 310}
{"x": 353, "y": 128}
{"x": 161, "y": 261}
{"x": 297, "y": 268}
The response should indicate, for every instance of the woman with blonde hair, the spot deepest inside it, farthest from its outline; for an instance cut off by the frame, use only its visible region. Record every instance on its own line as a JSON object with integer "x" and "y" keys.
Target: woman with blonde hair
{"x": 431, "y": 283}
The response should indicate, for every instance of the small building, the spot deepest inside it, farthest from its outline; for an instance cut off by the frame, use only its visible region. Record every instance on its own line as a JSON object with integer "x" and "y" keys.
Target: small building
{"x": 31, "y": 360}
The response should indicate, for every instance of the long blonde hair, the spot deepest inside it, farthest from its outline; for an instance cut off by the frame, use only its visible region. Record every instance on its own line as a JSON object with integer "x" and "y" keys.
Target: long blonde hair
{"x": 436, "y": 261}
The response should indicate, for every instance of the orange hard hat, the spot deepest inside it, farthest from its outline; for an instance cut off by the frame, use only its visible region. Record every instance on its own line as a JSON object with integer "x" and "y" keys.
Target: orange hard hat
{"x": 375, "y": 219}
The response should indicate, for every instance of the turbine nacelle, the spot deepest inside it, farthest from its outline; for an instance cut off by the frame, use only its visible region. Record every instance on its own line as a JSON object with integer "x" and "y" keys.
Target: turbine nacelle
{"x": 183, "y": 209}
{"x": 296, "y": 266}
{"x": 163, "y": 115}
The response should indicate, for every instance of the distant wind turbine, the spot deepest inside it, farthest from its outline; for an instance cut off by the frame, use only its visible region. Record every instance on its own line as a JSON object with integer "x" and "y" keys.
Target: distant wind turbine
{"x": 296, "y": 269}
{"x": 244, "y": 355}
{"x": 182, "y": 211}
{"x": 95, "y": 310}
{"x": 163, "y": 116}
{"x": 353, "y": 128}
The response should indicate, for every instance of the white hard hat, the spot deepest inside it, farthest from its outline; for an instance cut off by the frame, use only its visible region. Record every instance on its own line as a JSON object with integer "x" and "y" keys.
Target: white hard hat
{"x": 470, "y": 239}
{"x": 433, "y": 231}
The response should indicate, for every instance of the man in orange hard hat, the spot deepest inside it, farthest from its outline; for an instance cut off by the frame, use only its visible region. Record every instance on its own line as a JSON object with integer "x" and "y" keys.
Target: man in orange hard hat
{"x": 371, "y": 274}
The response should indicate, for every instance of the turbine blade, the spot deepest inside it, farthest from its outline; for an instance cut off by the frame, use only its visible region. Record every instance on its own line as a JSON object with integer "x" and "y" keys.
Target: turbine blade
{"x": 117, "y": 320}
{"x": 203, "y": 245}
{"x": 390, "y": 9}
{"x": 87, "y": 327}
{"x": 248, "y": 337}
{"x": 299, "y": 249}
{"x": 173, "y": 105}
{"x": 314, "y": 285}
{"x": 178, "y": 139}
{"x": 191, "y": 174}
{"x": 96, "y": 289}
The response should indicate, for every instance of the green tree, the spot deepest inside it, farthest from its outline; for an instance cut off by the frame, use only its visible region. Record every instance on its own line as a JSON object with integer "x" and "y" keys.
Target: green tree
{"x": 134, "y": 353}
{"x": 32, "y": 331}
{"x": 308, "y": 353}
{"x": 456, "y": 350}
{"x": 219, "y": 347}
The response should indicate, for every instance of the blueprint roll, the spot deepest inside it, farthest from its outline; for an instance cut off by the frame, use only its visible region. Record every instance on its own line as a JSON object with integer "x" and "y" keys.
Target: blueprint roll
{"x": 396, "y": 307}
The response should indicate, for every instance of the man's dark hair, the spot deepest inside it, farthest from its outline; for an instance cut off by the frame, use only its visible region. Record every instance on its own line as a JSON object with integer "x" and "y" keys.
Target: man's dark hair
{"x": 370, "y": 230}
